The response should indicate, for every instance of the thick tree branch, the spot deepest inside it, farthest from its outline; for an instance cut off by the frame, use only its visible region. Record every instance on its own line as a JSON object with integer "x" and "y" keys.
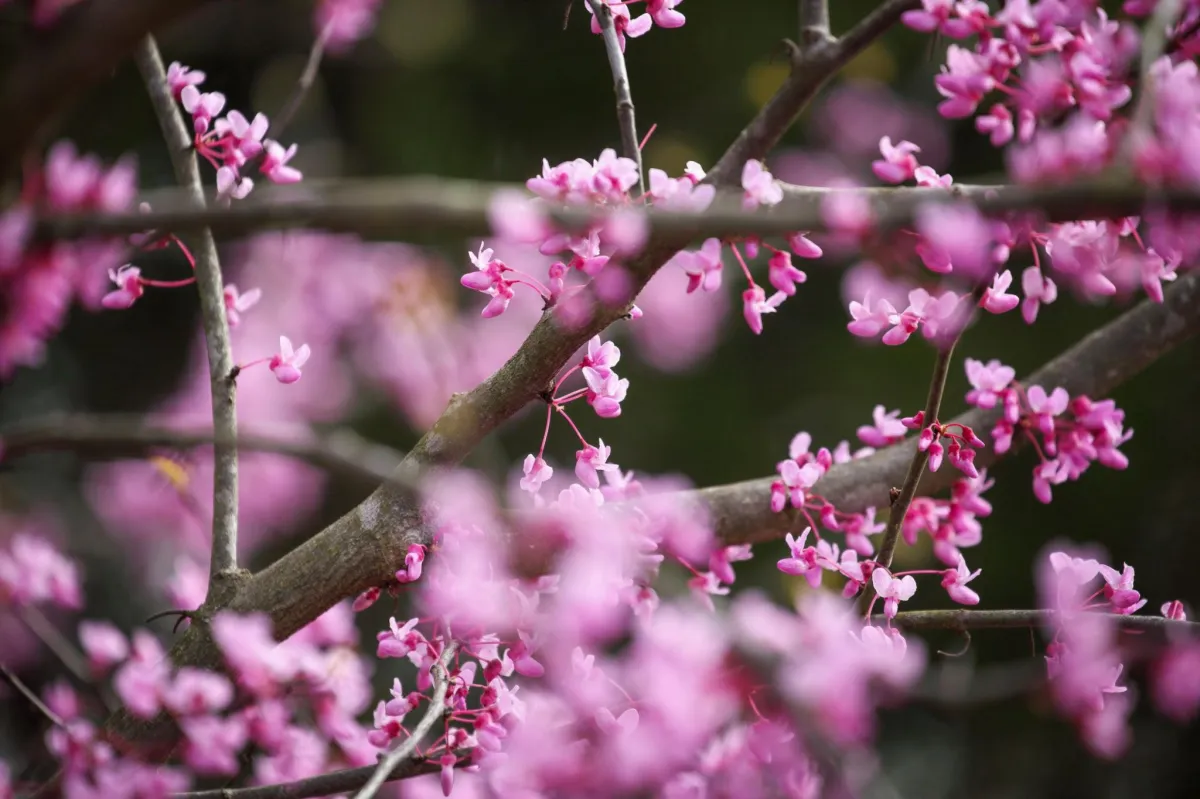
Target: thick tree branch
{"x": 1103, "y": 360}
{"x": 108, "y": 437}
{"x": 630, "y": 145}
{"x": 211, "y": 288}
{"x": 811, "y": 68}
{"x": 417, "y": 208}
{"x": 79, "y": 51}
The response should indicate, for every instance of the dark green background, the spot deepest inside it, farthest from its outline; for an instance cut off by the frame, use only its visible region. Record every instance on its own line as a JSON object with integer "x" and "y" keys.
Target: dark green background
{"x": 487, "y": 88}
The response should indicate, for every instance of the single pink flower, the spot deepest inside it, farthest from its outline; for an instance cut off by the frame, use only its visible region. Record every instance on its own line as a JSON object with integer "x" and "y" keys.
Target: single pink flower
{"x": 955, "y": 582}
{"x": 129, "y": 288}
{"x": 893, "y": 590}
{"x": 287, "y": 363}
{"x": 237, "y": 304}
{"x": 537, "y": 471}
{"x": 760, "y": 187}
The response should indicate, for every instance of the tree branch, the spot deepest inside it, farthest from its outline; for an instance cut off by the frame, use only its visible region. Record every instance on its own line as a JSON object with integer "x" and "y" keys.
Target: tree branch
{"x": 420, "y": 207}
{"x": 1103, "y": 360}
{"x": 331, "y": 784}
{"x": 211, "y": 288}
{"x": 811, "y": 68}
{"x": 25, "y": 691}
{"x": 916, "y": 468}
{"x": 437, "y": 707}
{"x": 961, "y": 619}
{"x": 630, "y": 146}
{"x": 81, "y": 50}
{"x": 106, "y": 437}
{"x": 814, "y": 22}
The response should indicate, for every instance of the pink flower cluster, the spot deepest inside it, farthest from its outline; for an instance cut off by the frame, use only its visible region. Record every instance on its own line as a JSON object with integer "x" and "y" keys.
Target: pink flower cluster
{"x": 39, "y": 280}
{"x": 341, "y": 23}
{"x": 1084, "y": 659}
{"x": 658, "y": 12}
{"x": 1068, "y": 433}
{"x": 32, "y": 571}
{"x": 230, "y": 142}
{"x": 316, "y": 675}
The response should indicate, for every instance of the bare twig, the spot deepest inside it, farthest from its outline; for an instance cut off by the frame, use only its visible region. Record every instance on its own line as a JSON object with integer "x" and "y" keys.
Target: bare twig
{"x": 811, "y": 68}
{"x": 961, "y": 619}
{"x": 417, "y": 208}
{"x": 916, "y": 468}
{"x": 630, "y": 145}
{"x": 437, "y": 707}
{"x": 211, "y": 288}
{"x": 331, "y": 784}
{"x": 79, "y": 51}
{"x": 814, "y": 22}
{"x": 1103, "y": 360}
{"x": 53, "y": 640}
{"x": 106, "y": 437}
{"x": 309, "y": 76}
{"x": 28, "y": 693}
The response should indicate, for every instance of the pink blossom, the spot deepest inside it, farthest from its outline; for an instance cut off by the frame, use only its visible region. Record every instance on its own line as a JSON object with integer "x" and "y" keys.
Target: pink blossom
{"x": 885, "y": 429}
{"x": 989, "y": 382}
{"x": 760, "y": 187}
{"x": 868, "y": 321}
{"x": 344, "y": 22}
{"x": 287, "y": 362}
{"x": 703, "y": 266}
{"x": 231, "y": 185}
{"x": 515, "y": 216}
{"x": 537, "y": 471}
{"x": 624, "y": 25}
{"x": 783, "y": 276}
{"x": 590, "y": 460}
{"x": 795, "y": 480}
{"x": 104, "y": 644}
{"x": 606, "y": 393}
{"x": 955, "y": 582}
{"x": 1174, "y": 610}
{"x": 680, "y": 194}
{"x": 937, "y": 15}
{"x": 143, "y": 680}
{"x": 755, "y": 303}
{"x": 237, "y": 304}
{"x": 963, "y": 82}
{"x": 898, "y": 162}
{"x": 212, "y": 744}
{"x": 996, "y": 298}
{"x": 997, "y": 124}
{"x": 1038, "y": 290}
{"x": 179, "y": 77}
{"x": 129, "y": 287}
{"x": 202, "y": 106}
{"x": 956, "y": 236}
{"x": 196, "y": 692}
{"x": 33, "y": 571}
{"x": 664, "y": 14}
{"x": 274, "y": 165}
{"x": 1118, "y": 589}
{"x": 1175, "y": 682}
{"x": 893, "y": 590}
{"x": 414, "y": 558}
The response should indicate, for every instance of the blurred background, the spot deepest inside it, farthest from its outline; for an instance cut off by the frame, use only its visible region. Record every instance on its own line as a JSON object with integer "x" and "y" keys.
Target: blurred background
{"x": 485, "y": 89}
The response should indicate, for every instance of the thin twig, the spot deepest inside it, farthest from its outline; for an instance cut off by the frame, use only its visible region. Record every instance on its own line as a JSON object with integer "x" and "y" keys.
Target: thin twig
{"x": 211, "y": 288}
{"x": 53, "y": 640}
{"x": 962, "y": 619}
{"x": 105, "y": 437}
{"x": 331, "y": 784}
{"x": 814, "y": 22}
{"x": 437, "y": 707}
{"x": 630, "y": 145}
{"x": 28, "y": 693}
{"x": 309, "y": 76}
{"x": 916, "y": 468}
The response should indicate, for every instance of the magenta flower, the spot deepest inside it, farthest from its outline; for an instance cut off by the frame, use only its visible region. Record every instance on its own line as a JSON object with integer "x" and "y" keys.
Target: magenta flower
{"x": 869, "y": 322}
{"x": 231, "y": 185}
{"x": 212, "y": 744}
{"x": 287, "y": 362}
{"x": 605, "y": 393}
{"x": 274, "y": 165}
{"x": 244, "y": 139}
{"x": 937, "y": 15}
{"x": 196, "y": 692}
{"x": 180, "y": 77}
{"x": 537, "y": 471}
{"x": 1118, "y": 589}
{"x": 783, "y": 276}
{"x": 591, "y": 459}
{"x": 893, "y": 590}
{"x": 664, "y": 14}
{"x": 679, "y": 194}
{"x": 996, "y": 298}
{"x": 755, "y": 303}
{"x": 760, "y": 187}
{"x": 236, "y": 304}
{"x": 104, "y": 644}
{"x": 899, "y": 163}
{"x": 624, "y": 25}
{"x": 955, "y": 582}
{"x": 33, "y": 571}
{"x": 129, "y": 288}
{"x": 413, "y": 562}
{"x": 203, "y": 107}
{"x": 989, "y": 382}
{"x": 963, "y": 82}
{"x": 997, "y": 124}
{"x": 1174, "y": 610}
{"x": 885, "y": 429}
{"x": 703, "y": 267}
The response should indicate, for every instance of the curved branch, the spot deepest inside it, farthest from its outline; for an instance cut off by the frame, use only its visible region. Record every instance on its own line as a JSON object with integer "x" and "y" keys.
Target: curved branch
{"x": 331, "y": 784}
{"x": 626, "y": 119}
{"x": 1106, "y": 358}
{"x": 79, "y": 51}
{"x": 962, "y": 619}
